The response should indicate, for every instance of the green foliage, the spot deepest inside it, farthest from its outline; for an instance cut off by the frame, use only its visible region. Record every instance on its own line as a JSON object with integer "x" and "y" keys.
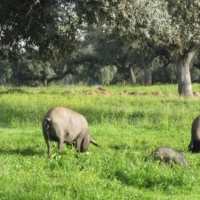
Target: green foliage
{"x": 47, "y": 30}
{"x": 166, "y": 23}
{"x": 31, "y": 71}
{"x": 123, "y": 28}
{"x": 131, "y": 20}
{"x": 195, "y": 74}
{"x": 5, "y": 72}
{"x": 165, "y": 74}
{"x": 107, "y": 73}
{"x": 127, "y": 129}
{"x": 169, "y": 24}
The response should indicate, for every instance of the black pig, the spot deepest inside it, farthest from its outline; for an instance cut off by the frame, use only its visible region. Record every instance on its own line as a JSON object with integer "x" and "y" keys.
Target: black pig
{"x": 194, "y": 145}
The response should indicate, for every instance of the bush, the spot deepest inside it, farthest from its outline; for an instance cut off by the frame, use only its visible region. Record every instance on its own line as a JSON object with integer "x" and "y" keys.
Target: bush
{"x": 107, "y": 73}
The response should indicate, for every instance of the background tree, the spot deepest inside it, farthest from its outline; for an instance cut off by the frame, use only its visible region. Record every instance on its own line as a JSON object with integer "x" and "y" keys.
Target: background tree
{"x": 5, "y": 72}
{"x": 36, "y": 35}
{"x": 46, "y": 29}
{"x": 186, "y": 40}
{"x": 111, "y": 50}
{"x": 49, "y": 31}
{"x": 168, "y": 23}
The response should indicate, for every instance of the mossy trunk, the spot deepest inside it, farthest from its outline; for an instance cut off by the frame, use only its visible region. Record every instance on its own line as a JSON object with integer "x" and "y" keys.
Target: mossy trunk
{"x": 184, "y": 78}
{"x": 182, "y": 63}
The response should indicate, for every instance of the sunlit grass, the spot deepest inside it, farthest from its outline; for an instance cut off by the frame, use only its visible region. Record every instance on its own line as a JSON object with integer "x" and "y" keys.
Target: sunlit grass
{"x": 127, "y": 128}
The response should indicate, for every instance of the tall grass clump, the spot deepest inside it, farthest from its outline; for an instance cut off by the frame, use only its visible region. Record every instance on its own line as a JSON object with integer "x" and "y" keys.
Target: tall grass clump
{"x": 128, "y": 127}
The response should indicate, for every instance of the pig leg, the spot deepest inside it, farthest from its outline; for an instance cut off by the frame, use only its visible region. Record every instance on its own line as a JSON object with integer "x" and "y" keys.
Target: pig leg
{"x": 196, "y": 145}
{"x": 48, "y": 142}
{"x": 48, "y": 147}
{"x": 85, "y": 143}
{"x": 191, "y": 146}
{"x": 60, "y": 137}
{"x": 60, "y": 144}
{"x": 82, "y": 143}
{"x": 79, "y": 144}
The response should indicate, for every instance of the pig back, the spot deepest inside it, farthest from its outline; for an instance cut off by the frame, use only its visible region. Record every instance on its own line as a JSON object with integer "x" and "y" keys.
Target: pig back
{"x": 67, "y": 123}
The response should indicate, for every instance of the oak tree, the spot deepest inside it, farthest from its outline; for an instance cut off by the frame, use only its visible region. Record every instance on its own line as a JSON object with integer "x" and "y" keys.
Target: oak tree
{"x": 173, "y": 25}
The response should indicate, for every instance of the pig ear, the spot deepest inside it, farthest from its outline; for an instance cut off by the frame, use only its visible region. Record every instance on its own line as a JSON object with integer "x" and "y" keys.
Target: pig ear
{"x": 47, "y": 120}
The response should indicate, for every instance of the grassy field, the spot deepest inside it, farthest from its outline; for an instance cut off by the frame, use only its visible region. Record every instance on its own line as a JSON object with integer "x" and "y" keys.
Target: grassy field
{"x": 127, "y": 125}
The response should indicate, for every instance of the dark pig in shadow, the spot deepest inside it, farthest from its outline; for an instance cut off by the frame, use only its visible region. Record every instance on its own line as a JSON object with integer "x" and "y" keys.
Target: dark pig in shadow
{"x": 63, "y": 125}
{"x": 169, "y": 156}
{"x": 194, "y": 145}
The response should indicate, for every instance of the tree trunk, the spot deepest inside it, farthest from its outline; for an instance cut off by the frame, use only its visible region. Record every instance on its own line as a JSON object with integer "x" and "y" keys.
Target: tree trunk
{"x": 133, "y": 78}
{"x": 184, "y": 79}
{"x": 146, "y": 60}
{"x": 45, "y": 82}
{"x": 183, "y": 72}
{"x": 147, "y": 72}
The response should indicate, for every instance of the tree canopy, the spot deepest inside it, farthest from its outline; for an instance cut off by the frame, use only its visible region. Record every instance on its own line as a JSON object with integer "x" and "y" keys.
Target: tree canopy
{"x": 46, "y": 29}
{"x": 52, "y": 29}
{"x": 173, "y": 25}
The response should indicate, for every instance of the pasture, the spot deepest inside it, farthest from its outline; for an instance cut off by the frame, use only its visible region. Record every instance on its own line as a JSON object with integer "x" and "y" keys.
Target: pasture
{"x": 128, "y": 122}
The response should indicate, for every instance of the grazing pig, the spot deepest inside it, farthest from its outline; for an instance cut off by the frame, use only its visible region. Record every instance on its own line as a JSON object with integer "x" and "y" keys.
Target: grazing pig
{"x": 194, "y": 145}
{"x": 66, "y": 126}
{"x": 169, "y": 156}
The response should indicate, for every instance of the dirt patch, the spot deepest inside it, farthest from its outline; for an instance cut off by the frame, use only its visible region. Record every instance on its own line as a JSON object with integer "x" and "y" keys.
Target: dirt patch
{"x": 156, "y": 93}
{"x": 42, "y": 92}
{"x": 98, "y": 90}
{"x": 70, "y": 92}
{"x": 196, "y": 94}
{"x": 15, "y": 90}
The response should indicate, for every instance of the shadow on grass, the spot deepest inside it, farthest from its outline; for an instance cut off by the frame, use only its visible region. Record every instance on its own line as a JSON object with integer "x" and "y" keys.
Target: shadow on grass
{"x": 148, "y": 181}
{"x": 143, "y": 182}
{"x": 24, "y": 152}
{"x": 120, "y": 147}
{"x": 138, "y": 146}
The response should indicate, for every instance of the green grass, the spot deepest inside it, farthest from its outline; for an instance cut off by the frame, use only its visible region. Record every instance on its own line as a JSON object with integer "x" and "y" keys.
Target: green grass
{"x": 127, "y": 128}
